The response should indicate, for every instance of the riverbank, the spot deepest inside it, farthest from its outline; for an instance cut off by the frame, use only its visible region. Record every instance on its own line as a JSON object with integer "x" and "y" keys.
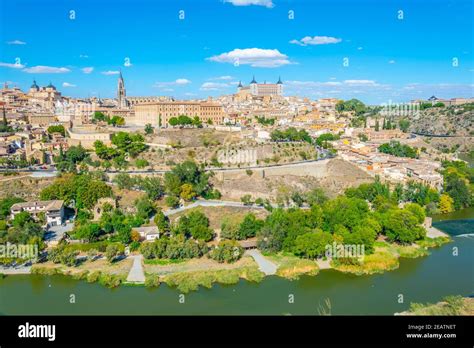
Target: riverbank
{"x": 188, "y": 275}
{"x": 450, "y": 305}
{"x": 44, "y": 295}
{"x": 386, "y": 256}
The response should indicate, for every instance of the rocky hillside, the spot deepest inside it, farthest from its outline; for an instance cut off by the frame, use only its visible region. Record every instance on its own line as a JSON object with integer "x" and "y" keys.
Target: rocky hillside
{"x": 451, "y": 120}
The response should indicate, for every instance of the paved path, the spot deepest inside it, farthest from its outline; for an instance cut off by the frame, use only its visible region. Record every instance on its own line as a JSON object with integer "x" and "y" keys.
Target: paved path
{"x": 56, "y": 233}
{"x": 264, "y": 264}
{"x": 217, "y": 203}
{"x": 324, "y": 264}
{"x": 433, "y": 232}
{"x": 136, "y": 274}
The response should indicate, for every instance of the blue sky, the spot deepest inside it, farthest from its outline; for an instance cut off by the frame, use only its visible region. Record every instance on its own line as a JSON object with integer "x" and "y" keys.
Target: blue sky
{"x": 388, "y": 58}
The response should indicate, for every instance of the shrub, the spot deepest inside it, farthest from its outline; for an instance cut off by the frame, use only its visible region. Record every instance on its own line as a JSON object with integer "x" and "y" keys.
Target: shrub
{"x": 226, "y": 251}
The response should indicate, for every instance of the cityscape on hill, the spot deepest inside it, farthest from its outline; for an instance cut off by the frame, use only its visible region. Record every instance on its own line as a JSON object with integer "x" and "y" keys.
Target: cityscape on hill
{"x": 237, "y": 157}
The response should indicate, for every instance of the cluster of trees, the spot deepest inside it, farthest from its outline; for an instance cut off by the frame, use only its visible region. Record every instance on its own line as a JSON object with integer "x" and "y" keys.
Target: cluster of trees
{"x": 82, "y": 190}
{"x": 353, "y": 105}
{"x": 379, "y": 194}
{"x": 235, "y": 230}
{"x": 291, "y": 134}
{"x": 23, "y": 229}
{"x": 347, "y": 219}
{"x": 265, "y": 121}
{"x": 175, "y": 247}
{"x": 396, "y": 149}
{"x": 195, "y": 225}
{"x": 424, "y": 106}
{"x": 114, "y": 120}
{"x": 387, "y": 124}
{"x": 153, "y": 186}
{"x": 68, "y": 161}
{"x": 187, "y": 181}
{"x": 114, "y": 225}
{"x": 323, "y": 139}
{"x": 63, "y": 255}
{"x": 184, "y": 120}
{"x": 187, "y": 239}
{"x": 57, "y": 129}
{"x": 458, "y": 185}
{"x": 125, "y": 145}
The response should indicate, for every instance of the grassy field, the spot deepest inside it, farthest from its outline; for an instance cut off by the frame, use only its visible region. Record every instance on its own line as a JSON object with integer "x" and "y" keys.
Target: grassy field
{"x": 191, "y": 281}
{"x": 110, "y": 275}
{"x": 188, "y": 275}
{"x": 292, "y": 267}
{"x": 218, "y": 214}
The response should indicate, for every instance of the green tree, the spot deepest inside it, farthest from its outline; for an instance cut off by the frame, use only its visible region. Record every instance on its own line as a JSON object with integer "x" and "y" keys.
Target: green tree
{"x": 249, "y": 226}
{"x": 21, "y": 219}
{"x": 402, "y": 226}
{"x": 162, "y": 222}
{"x": 145, "y": 208}
{"x": 153, "y": 187}
{"x": 404, "y": 125}
{"x": 416, "y": 210}
{"x": 112, "y": 252}
{"x": 226, "y": 251}
{"x": 173, "y": 121}
{"x": 124, "y": 181}
{"x": 6, "y": 204}
{"x": 57, "y": 129}
{"x": 148, "y": 129}
{"x": 313, "y": 244}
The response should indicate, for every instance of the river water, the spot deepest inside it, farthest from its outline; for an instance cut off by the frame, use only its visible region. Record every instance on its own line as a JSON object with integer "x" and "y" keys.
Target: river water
{"x": 447, "y": 271}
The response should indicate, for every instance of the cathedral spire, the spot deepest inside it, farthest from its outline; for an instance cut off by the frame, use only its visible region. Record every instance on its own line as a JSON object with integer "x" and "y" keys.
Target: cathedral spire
{"x": 121, "y": 94}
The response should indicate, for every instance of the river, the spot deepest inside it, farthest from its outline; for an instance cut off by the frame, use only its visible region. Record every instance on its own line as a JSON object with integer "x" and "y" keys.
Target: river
{"x": 427, "y": 279}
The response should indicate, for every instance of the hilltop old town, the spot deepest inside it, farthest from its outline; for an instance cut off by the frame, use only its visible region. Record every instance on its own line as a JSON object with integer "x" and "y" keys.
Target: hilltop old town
{"x": 150, "y": 189}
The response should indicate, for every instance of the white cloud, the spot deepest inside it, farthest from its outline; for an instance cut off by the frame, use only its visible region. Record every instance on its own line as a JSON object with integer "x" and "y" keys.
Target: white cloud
{"x": 67, "y": 84}
{"x": 111, "y": 72}
{"x": 83, "y": 56}
{"x": 391, "y": 62}
{"x": 42, "y": 69}
{"x": 10, "y": 65}
{"x": 168, "y": 90}
{"x": 182, "y": 81}
{"x": 214, "y": 86}
{"x": 226, "y": 77}
{"x": 361, "y": 82}
{"x": 16, "y": 42}
{"x": 360, "y": 48}
{"x": 316, "y": 40}
{"x": 177, "y": 82}
{"x": 255, "y": 57}
{"x": 265, "y": 3}
{"x": 87, "y": 69}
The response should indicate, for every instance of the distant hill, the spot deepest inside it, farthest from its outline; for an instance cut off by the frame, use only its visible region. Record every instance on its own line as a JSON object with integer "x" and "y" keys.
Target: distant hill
{"x": 451, "y": 120}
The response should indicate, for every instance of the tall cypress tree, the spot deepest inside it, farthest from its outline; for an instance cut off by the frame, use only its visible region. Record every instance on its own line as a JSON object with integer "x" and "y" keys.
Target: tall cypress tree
{"x": 5, "y": 122}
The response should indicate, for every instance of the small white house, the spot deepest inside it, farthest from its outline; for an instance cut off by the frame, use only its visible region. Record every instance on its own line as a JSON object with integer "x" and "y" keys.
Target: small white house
{"x": 148, "y": 233}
